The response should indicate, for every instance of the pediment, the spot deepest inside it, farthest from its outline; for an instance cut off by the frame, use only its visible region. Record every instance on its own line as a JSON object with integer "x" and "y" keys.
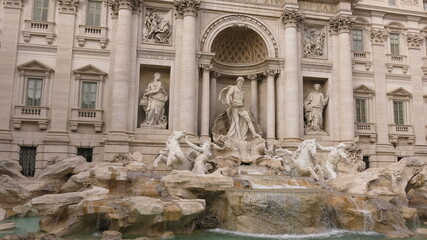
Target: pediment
{"x": 90, "y": 70}
{"x": 363, "y": 89}
{"x": 400, "y": 92}
{"x": 34, "y": 65}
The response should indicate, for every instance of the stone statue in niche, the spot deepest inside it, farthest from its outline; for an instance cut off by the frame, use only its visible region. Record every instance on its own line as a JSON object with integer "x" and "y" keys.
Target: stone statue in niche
{"x": 235, "y": 122}
{"x": 314, "y": 42}
{"x": 158, "y": 29}
{"x": 153, "y": 102}
{"x": 314, "y": 105}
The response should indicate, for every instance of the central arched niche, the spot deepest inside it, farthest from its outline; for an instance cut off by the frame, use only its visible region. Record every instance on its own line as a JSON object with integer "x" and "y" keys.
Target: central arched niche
{"x": 239, "y": 46}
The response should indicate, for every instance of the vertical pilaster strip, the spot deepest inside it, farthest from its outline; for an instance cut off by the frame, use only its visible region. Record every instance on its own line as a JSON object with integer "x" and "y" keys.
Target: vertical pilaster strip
{"x": 415, "y": 41}
{"x": 271, "y": 103}
{"x": 187, "y": 117}
{"x": 289, "y": 113}
{"x": 343, "y": 25}
{"x": 8, "y": 53}
{"x": 254, "y": 95}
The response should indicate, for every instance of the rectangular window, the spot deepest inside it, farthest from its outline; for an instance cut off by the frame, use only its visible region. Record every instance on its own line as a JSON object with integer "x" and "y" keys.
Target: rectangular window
{"x": 27, "y": 160}
{"x": 392, "y": 2}
{"x": 425, "y": 5}
{"x": 34, "y": 91}
{"x": 398, "y": 108}
{"x": 93, "y": 17}
{"x": 87, "y": 153}
{"x": 358, "y": 40}
{"x": 88, "y": 100}
{"x": 361, "y": 111}
{"x": 41, "y": 8}
{"x": 366, "y": 161}
{"x": 394, "y": 44}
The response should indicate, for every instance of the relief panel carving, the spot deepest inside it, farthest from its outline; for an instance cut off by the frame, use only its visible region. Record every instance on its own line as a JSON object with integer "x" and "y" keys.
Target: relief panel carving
{"x": 314, "y": 42}
{"x": 157, "y": 26}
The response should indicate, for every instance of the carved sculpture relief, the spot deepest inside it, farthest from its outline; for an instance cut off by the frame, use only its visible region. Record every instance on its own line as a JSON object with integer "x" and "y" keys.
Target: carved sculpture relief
{"x": 157, "y": 26}
{"x": 378, "y": 36}
{"x": 314, "y": 105}
{"x": 153, "y": 102}
{"x": 415, "y": 40}
{"x": 68, "y": 6}
{"x": 314, "y": 42}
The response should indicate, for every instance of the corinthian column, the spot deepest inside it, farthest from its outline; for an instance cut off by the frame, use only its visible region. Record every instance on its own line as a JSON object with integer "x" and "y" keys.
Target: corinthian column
{"x": 187, "y": 115}
{"x": 121, "y": 72}
{"x": 288, "y": 110}
{"x": 342, "y": 25}
{"x": 205, "y": 100}
{"x": 271, "y": 107}
{"x": 254, "y": 95}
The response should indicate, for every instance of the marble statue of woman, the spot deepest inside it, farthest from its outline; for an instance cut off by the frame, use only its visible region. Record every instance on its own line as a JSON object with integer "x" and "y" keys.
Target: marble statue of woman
{"x": 153, "y": 101}
{"x": 313, "y": 110}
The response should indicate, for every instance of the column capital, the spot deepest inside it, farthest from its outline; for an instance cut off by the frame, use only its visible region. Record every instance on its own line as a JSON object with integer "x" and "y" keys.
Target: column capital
{"x": 186, "y": 7}
{"x": 271, "y": 72}
{"x": 68, "y": 6}
{"x": 341, "y": 24}
{"x": 16, "y": 4}
{"x": 415, "y": 40}
{"x": 252, "y": 77}
{"x": 206, "y": 67}
{"x": 116, "y": 5}
{"x": 215, "y": 74}
{"x": 292, "y": 18}
{"x": 378, "y": 36}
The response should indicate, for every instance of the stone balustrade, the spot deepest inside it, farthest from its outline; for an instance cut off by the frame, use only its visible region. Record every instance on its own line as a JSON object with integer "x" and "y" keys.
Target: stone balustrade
{"x": 92, "y": 33}
{"x": 31, "y": 114}
{"x": 86, "y": 117}
{"x": 397, "y": 131}
{"x": 366, "y": 129}
{"x": 39, "y": 28}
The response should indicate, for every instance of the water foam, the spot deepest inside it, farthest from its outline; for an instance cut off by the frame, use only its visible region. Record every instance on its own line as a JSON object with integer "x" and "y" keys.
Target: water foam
{"x": 331, "y": 233}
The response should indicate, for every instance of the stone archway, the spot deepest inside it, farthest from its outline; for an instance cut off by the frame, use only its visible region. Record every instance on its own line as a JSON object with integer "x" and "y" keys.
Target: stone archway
{"x": 243, "y": 21}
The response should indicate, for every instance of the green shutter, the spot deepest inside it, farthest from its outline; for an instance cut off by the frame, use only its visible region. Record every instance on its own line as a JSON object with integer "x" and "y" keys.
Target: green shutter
{"x": 88, "y": 100}
{"x": 34, "y": 91}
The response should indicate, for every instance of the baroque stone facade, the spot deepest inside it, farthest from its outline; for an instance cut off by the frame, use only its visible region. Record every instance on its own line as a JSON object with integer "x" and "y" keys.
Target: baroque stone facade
{"x": 73, "y": 73}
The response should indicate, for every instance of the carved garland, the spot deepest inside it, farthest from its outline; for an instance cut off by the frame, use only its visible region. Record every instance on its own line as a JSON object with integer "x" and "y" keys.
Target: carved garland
{"x": 414, "y": 40}
{"x": 74, "y": 3}
{"x": 341, "y": 23}
{"x": 186, "y": 7}
{"x": 378, "y": 36}
{"x": 242, "y": 18}
{"x": 292, "y": 17}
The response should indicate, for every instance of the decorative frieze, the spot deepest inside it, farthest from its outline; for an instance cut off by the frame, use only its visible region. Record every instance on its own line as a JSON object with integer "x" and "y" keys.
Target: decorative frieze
{"x": 415, "y": 40}
{"x": 314, "y": 42}
{"x": 409, "y": 2}
{"x": 292, "y": 18}
{"x": 186, "y": 7}
{"x": 378, "y": 36}
{"x": 68, "y": 6}
{"x": 341, "y": 23}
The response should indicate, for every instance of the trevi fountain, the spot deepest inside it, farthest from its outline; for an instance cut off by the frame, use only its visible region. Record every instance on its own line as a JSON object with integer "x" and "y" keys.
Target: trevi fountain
{"x": 237, "y": 186}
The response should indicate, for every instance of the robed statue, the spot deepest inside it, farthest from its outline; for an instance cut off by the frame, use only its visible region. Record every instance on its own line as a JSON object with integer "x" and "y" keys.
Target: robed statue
{"x": 153, "y": 102}
{"x": 314, "y": 105}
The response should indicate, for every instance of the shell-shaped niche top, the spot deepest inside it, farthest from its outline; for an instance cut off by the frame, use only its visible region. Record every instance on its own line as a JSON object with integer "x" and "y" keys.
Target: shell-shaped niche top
{"x": 239, "y": 45}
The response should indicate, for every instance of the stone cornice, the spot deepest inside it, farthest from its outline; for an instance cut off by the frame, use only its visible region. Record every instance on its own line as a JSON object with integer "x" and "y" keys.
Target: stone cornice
{"x": 68, "y": 6}
{"x": 341, "y": 23}
{"x": 186, "y": 7}
{"x": 292, "y": 18}
{"x": 378, "y": 36}
{"x": 415, "y": 40}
